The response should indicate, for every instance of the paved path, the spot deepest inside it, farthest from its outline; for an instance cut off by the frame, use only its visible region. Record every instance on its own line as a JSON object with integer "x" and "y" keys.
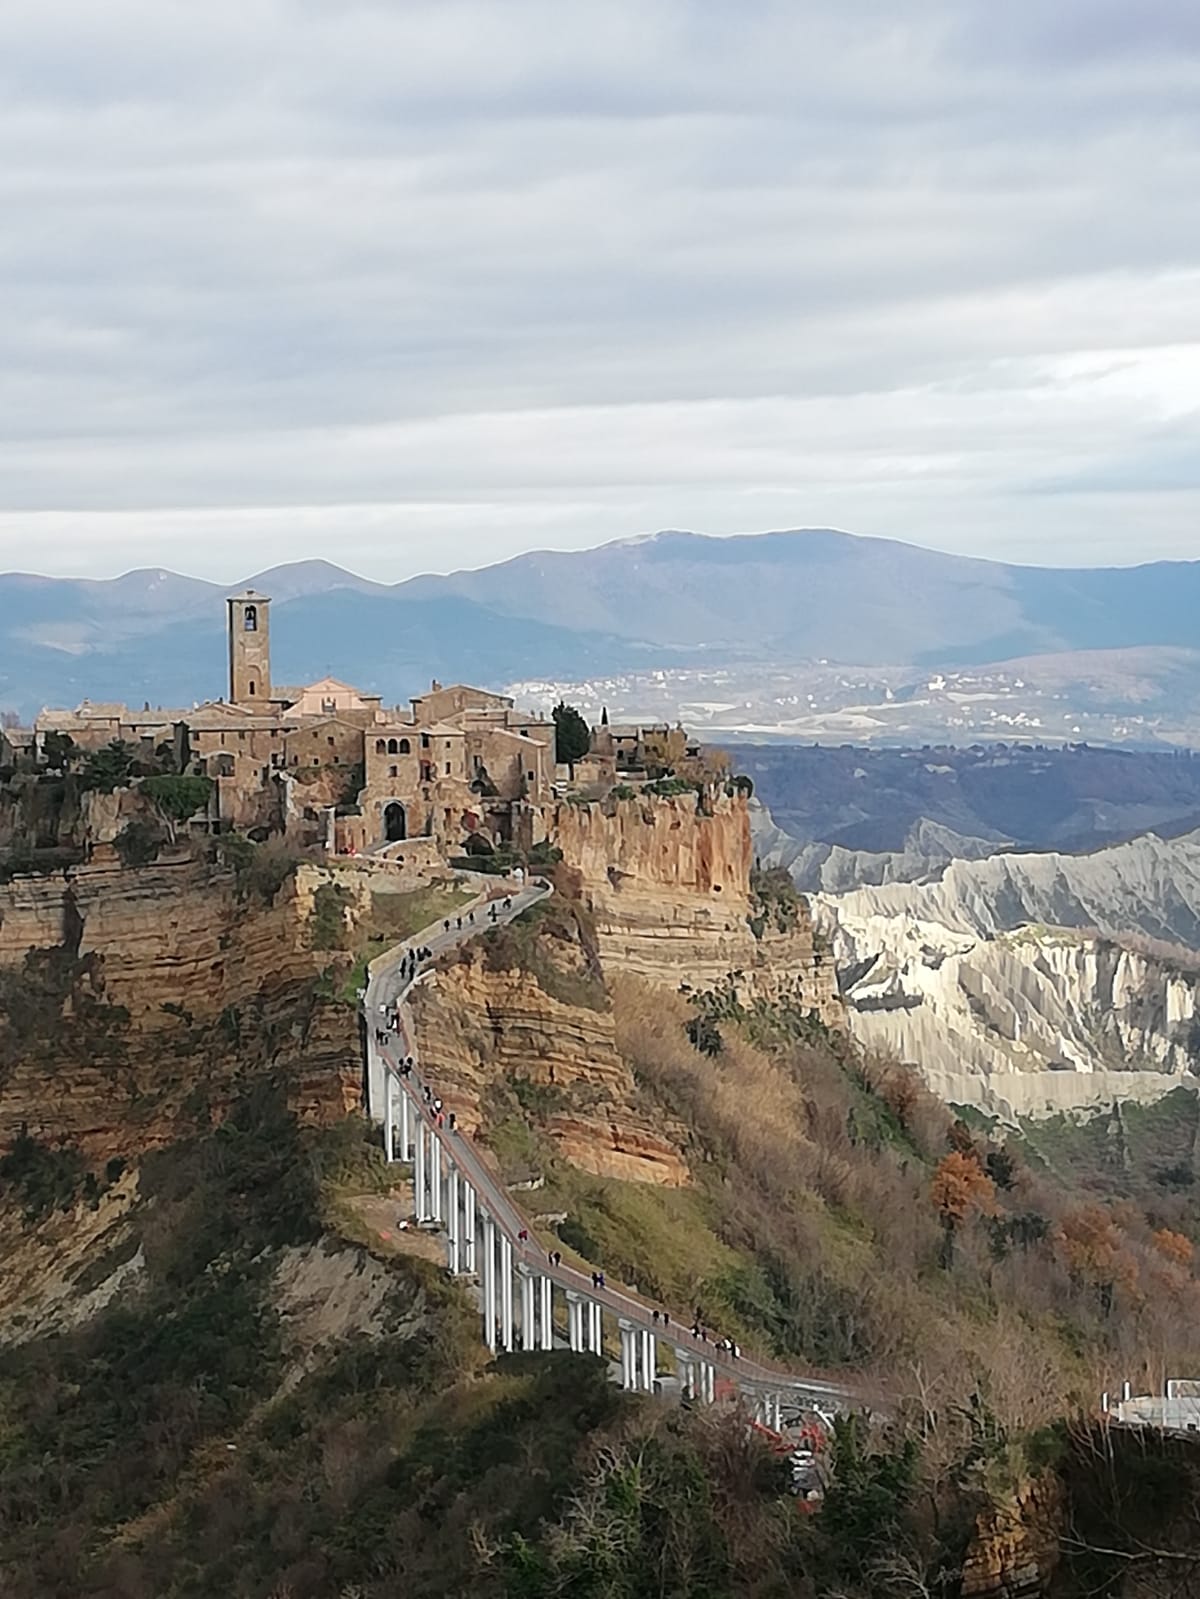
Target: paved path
{"x": 388, "y": 989}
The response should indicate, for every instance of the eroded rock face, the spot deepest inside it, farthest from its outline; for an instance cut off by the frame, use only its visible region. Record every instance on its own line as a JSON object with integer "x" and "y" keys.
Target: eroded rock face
{"x": 146, "y": 992}
{"x": 476, "y": 1027}
{"x": 1021, "y": 1022}
{"x": 1015, "y": 1548}
{"x": 668, "y": 882}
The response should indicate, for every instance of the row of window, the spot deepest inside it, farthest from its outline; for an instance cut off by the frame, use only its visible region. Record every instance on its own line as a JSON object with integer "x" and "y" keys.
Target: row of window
{"x": 401, "y": 746}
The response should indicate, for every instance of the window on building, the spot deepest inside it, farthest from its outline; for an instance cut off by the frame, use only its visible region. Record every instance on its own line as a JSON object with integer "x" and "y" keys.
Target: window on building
{"x": 330, "y": 741}
{"x": 393, "y": 771}
{"x": 447, "y": 743}
{"x": 392, "y": 746}
{"x": 447, "y": 768}
{"x": 424, "y": 741}
{"x": 252, "y": 685}
{"x": 328, "y": 707}
{"x": 250, "y": 623}
{"x": 381, "y": 746}
{"x": 405, "y": 747}
{"x": 242, "y": 737}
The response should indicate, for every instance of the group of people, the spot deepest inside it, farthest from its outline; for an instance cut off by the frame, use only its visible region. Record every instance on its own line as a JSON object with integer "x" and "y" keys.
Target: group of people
{"x": 412, "y": 960}
{"x": 438, "y": 1115}
{"x": 701, "y": 1330}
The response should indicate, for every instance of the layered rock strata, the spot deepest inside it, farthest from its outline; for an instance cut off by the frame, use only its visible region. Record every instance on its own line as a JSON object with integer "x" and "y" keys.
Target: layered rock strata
{"x": 479, "y": 1028}
{"x": 131, "y": 998}
{"x": 668, "y": 882}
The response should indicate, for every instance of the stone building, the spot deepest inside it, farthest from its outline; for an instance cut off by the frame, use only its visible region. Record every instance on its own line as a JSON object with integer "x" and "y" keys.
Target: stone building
{"x": 457, "y": 761}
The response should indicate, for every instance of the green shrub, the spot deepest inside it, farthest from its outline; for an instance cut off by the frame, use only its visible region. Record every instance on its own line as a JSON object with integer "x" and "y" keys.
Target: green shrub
{"x": 138, "y": 843}
{"x": 327, "y": 924}
{"x": 43, "y": 1179}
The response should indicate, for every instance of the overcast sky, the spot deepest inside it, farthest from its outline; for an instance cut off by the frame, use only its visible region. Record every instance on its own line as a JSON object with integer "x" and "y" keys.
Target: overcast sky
{"x": 415, "y": 286}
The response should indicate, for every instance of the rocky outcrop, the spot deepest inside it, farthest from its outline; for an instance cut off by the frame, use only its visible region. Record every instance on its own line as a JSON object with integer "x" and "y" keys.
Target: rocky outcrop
{"x": 130, "y": 995}
{"x": 481, "y": 1030}
{"x": 1015, "y": 1550}
{"x": 668, "y": 882}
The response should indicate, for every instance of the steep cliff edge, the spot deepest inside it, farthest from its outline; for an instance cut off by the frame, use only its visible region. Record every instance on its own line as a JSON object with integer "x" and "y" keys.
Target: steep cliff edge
{"x": 132, "y": 998}
{"x": 520, "y": 1021}
{"x": 668, "y": 880}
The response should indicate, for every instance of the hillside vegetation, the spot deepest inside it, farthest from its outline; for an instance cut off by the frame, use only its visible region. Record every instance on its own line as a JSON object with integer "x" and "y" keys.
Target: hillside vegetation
{"x": 244, "y": 1396}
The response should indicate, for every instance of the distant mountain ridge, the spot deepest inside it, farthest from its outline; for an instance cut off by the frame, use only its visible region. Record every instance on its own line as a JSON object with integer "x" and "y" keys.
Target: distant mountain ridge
{"x": 665, "y": 599}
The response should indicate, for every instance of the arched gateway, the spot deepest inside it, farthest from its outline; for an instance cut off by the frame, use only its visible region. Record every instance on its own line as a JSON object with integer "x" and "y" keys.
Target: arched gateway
{"x": 395, "y": 824}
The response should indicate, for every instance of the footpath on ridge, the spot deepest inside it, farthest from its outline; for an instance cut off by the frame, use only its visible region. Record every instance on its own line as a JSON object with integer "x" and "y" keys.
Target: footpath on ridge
{"x": 385, "y": 994}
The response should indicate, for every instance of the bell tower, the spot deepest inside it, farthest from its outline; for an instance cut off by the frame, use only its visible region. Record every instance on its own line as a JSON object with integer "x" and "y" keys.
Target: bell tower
{"x": 249, "y": 649}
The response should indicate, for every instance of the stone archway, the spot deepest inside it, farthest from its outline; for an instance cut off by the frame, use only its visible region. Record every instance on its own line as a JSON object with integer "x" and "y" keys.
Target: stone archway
{"x": 395, "y": 823}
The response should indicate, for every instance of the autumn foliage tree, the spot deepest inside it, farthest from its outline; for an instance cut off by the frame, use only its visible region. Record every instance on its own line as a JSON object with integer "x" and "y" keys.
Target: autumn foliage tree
{"x": 1174, "y": 1247}
{"x": 960, "y": 1188}
{"x": 1093, "y": 1248}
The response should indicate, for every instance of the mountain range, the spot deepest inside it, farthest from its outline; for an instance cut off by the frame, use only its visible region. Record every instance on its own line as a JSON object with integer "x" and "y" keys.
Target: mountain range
{"x": 672, "y": 599}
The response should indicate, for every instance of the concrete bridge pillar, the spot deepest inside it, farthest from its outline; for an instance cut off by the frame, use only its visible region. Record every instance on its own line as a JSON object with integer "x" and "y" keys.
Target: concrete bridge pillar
{"x": 435, "y": 1176}
{"x": 546, "y": 1312}
{"x": 595, "y": 1327}
{"x": 489, "y": 1280}
{"x": 649, "y": 1359}
{"x": 453, "y": 1221}
{"x": 420, "y": 1175}
{"x": 506, "y": 1293}
{"x": 469, "y": 1225}
{"x": 685, "y": 1365}
{"x": 389, "y": 1151}
{"x": 574, "y": 1321}
{"x": 405, "y": 1127}
{"x": 703, "y": 1381}
{"x": 628, "y": 1353}
{"x": 528, "y": 1326}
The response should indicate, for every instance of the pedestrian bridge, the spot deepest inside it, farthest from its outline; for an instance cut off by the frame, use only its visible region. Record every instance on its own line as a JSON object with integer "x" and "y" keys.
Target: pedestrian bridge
{"x": 488, "y": 1238}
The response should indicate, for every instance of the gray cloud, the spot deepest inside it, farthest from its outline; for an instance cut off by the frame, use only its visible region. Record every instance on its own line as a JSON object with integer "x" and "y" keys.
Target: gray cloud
{"x": 416, "y": 286}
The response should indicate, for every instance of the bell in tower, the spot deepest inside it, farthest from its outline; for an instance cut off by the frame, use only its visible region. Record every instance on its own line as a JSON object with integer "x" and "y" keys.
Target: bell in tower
{"x": 249, "y": 649}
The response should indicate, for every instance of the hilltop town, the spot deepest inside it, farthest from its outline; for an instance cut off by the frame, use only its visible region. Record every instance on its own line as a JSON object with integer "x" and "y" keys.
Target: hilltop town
{"x": 327, "y": 764}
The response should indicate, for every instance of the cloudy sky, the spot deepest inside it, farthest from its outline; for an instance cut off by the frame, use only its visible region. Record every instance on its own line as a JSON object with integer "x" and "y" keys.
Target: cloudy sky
{"x": 419, "y": 285}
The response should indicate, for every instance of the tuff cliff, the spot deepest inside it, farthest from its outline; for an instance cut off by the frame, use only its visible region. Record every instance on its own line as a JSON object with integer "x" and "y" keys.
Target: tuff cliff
{"x": 131, "y": 998}
{"x": 523, "y": 1015}
{"x": 1015, "y": 1548}
{"x": 669, "y": 882}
